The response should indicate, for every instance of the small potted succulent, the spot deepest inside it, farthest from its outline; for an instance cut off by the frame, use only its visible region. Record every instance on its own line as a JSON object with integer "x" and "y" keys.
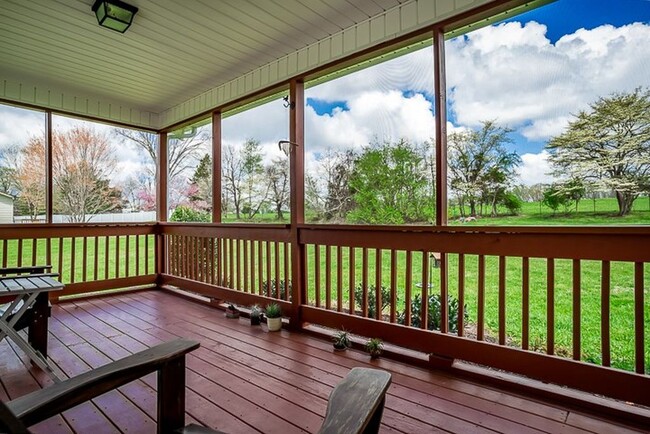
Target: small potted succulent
{"x": 341, "y": 340}
{"x": 274, "y": 317}
{"x": 256, "y": 315}
{"x": 374, "y": 346}
{"x": 231, "y": 311}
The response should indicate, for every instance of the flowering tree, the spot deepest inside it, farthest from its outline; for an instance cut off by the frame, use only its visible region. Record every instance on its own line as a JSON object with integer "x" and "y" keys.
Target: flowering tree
{"x": 608, "y": 146}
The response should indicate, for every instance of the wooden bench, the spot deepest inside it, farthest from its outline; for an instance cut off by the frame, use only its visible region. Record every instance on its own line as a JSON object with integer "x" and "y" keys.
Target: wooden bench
{"x": 355, "y": 405}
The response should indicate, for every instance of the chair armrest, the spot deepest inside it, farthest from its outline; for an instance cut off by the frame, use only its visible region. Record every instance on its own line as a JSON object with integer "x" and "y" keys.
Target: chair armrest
{"x": 44, "y": 403}
{"x": 356, "y": 404}
{"x": 32, "y": 269}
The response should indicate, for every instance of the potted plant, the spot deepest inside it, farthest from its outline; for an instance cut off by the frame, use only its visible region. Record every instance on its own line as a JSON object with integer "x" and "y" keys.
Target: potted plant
{"x": 341, "y": 340}
{"x": 374, "y": 346}
{"x": 274, "y": 317}
{"x": 231, "y": 311}
{"x": 256, "y": 315}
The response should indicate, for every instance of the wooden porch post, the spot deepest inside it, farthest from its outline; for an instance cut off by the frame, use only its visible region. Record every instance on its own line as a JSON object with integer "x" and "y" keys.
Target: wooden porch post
{"x": 216, "y": 167}
{"x": 440, "y": 90}
{"x": 48, "y": 169}
{"x": 161, "y": 202}
{"x": 297, "y": 184}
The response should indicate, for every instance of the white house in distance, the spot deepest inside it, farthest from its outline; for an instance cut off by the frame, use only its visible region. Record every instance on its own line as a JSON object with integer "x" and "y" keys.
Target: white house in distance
{"x": 6, "y": 208}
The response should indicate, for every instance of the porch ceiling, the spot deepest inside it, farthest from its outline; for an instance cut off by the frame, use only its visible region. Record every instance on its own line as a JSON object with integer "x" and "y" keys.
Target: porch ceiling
{"x": 174, "y": 50}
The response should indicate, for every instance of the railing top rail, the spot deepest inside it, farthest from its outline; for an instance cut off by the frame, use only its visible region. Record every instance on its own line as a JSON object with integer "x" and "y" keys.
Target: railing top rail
{"x": 589, "y": 230}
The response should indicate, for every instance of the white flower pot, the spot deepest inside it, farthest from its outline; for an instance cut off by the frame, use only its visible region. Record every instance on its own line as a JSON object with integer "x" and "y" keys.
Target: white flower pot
{"x": 274, "y": 324}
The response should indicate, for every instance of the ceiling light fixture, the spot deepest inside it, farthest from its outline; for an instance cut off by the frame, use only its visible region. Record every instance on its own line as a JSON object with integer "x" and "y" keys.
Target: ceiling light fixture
{"x": 114, "y": 14}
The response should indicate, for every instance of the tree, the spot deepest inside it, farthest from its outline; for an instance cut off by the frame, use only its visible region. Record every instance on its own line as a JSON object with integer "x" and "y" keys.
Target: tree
{"x": 232, "y": 173}
{"x": 609, "y": 146}
{"x": 30, "y": 178}
{"x": 554, "y": 197}
{"x": 338, "y": 167}
{"x": 389, "y": 183}
{"x": 252, "y": 169}
{"x": 480, "y": 167}
{"x": 277, "y": 174}
{"x": 202, "y": 183}
{"x": 82, "y": 162}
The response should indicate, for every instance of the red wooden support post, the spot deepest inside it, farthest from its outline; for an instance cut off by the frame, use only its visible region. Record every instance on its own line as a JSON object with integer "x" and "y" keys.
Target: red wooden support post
{"x": 216, "y": 167}
{"x": 297, "y": 185}
{"x": 161, "y": 196}
{"x": 171, "y": 396}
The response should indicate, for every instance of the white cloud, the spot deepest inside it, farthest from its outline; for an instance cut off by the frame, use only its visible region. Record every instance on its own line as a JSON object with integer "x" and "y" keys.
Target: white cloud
{"x": 513, "y": 73}
{"x": 535, "y": 169}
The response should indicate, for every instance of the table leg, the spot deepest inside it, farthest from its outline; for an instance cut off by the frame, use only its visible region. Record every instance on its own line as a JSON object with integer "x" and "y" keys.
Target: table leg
{"x": 37, "y": 332}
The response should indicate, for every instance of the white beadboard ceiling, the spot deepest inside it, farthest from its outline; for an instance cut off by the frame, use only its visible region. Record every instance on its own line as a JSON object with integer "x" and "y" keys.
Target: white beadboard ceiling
{"x": 182, "y": 57}
{"x": 175, "y": 49}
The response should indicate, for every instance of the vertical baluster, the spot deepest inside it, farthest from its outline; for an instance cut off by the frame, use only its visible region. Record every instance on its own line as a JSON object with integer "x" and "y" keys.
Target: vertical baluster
{"x": 238, "y": 244}
{"x": 276, "y": 261}
{"x": 424, "y": 311}
{"x": 378, "y": 295}
{"x": 253, "y": 268}
{"x": 525, "y": 303}
{"x": 550, "y": 306}
{"x": 246, "y": 273}
{"x": 407, "y": 287}
{"x": 461, "y": 294}
{"x": 19, "y": 256}
{"x": 146, "y": 254}
{"x": 286, "y": 271}
{"x": 502, "y": 300}
{"x": 127, "y": 248}
{"x": 576, "y": 310}
{"x": 220, "y": 261}
{"x": 393, "y": 286}
{"x": 61, "y": 273}
{"x": 4, "y": 253}
{"x": 339, "y": 278}
{"x": 260, "y": 266}
{"x": 639, "y": 321}
{"x": 444, "y": 294}
{"x": 481, "y": 299}
{"x": 352, "y": 272}
{"x": 48, "y": 251}
{"x": 269, "y": 283}
{"x": 604, "y": 315}
{"x": 73, "y": 271}
{"x": 106, "y": 256}
{"x": 95, "y": 260}
{"x": 34, "y": 250}
{"x": 117, "y": 256}
{"x": 364, "y": 282}
{"x": 231, "y": 264}
{"x": 205, "y": 260}
{"x": 317, "y": 275}
{"x": 137, "y": 255}
{"x": 84, "y": 260}
{"x": 328, "y": 277}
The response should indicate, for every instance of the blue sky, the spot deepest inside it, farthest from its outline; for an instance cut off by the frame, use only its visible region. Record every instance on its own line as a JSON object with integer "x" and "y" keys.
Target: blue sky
{"x": 560, "y": 18}
{"x": 567, "y": 16}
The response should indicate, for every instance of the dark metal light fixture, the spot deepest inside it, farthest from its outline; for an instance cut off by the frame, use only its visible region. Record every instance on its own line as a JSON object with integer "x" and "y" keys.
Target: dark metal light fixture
{"x": 114, "y": 14}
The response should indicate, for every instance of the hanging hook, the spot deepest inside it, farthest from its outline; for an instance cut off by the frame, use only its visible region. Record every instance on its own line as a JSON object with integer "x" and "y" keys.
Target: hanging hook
{"x": 288, "y": 104}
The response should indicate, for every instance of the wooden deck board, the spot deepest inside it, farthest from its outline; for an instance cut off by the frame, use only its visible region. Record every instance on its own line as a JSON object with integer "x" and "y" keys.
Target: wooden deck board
{"x": 244, "y": 379}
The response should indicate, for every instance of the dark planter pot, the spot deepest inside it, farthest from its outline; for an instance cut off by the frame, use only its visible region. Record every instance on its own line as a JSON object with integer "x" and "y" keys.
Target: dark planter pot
{"x": 339, "y": 347}
{"x": 255, "y": 321}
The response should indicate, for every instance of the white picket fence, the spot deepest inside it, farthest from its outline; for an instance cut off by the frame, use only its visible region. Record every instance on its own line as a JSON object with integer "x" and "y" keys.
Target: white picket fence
{"x": 130, "y": 217}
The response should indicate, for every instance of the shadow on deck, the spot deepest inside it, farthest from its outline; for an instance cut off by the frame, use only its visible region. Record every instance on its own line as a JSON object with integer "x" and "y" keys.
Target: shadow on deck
{"x": 244, "y": 379}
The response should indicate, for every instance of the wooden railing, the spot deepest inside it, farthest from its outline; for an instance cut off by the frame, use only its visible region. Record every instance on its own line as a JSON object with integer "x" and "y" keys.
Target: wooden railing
{"x": 563, "y": 305}
{"x": 89, "y": 258}
{"x": 517, "y": 297}
{"x": 249, "y": 264}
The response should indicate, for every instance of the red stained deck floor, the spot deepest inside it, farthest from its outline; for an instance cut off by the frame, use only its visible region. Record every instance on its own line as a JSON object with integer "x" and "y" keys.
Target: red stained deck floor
{"x": 245, "y": 380}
